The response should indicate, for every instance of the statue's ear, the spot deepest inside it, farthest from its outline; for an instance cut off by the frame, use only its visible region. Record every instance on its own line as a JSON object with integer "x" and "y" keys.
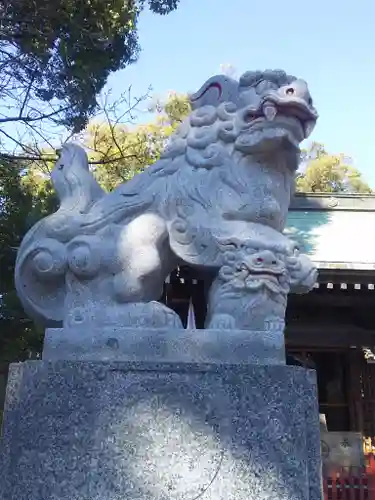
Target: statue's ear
{"x": 69, "y": 155}
{"x": 228, "y": 249}
{"x": 216, "y": 90}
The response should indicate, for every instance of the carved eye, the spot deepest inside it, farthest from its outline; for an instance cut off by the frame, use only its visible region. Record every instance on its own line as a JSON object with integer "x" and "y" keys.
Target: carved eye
{"x": 241, "y": 267}
{"x": 310, "y": 101}
{"x": 249, "y": 117}
{"x": 259, "y": 260}
{"x": 290, "y": 91}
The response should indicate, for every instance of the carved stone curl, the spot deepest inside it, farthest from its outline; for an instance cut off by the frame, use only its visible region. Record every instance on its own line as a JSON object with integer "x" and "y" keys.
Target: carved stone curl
{"x": 228, "y": 167}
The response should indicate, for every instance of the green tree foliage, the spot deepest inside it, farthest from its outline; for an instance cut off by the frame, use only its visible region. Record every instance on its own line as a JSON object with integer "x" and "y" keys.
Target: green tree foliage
{"x": 125, "y": 151}
{"x": 22, "y": 202}
{"x": 55, "y": 57}
{"x": 174, "y": 110}
{"x": 324, "y": 172}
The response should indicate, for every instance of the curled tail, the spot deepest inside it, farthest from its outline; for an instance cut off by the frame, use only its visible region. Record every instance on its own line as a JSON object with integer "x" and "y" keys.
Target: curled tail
{"x": 41, "y": 260}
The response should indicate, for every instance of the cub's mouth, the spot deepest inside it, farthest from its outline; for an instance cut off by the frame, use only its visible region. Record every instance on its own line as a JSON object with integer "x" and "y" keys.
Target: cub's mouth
{"x": 265, "y": 274}
{"x": 262, "y": 273}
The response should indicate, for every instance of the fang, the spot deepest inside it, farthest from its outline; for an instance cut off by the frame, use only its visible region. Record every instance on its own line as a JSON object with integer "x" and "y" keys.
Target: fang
{"x": 269, "y": 111}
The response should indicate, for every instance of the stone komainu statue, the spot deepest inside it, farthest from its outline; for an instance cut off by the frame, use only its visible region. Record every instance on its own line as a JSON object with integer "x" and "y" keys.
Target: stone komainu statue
{"x": 217, "y": 199}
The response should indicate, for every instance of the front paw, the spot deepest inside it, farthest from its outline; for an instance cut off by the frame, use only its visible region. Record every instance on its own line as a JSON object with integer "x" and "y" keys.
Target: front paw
{"x": 303, "y": 276}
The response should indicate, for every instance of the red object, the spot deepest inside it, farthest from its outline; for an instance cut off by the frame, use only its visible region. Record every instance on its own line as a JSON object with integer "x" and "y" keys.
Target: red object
{"x": 349, "y": 487}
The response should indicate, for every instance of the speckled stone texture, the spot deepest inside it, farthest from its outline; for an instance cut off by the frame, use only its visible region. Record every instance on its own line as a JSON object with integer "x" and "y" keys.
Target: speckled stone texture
{"x": 118, "y": 430}
{"x": 169, "y": 345}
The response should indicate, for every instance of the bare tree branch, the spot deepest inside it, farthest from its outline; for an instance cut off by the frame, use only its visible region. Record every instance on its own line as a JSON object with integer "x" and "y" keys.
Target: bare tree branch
{"x": 31, "y": 119}
{"x": 32, "y": 122}
{"x": 54, "y": 158}
{"x": 27, "y": 96}
{"x": 34, "y": 126}
{"x": 23, "y": 146}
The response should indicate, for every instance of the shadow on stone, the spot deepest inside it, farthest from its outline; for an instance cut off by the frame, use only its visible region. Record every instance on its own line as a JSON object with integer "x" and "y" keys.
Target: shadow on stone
{"x": 126, "y": 430}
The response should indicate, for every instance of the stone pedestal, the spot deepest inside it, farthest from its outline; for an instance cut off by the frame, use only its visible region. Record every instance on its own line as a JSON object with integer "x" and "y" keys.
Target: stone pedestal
{"x": 114, "y": 430}
{"x": 173, "y": 345}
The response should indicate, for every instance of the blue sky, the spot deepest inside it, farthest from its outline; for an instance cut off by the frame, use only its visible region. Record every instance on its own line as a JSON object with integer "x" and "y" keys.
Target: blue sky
{"x": 330, "y": 43}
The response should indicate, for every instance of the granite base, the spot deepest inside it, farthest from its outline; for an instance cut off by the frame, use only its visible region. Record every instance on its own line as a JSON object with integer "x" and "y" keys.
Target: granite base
{"x": 121, "y": 430}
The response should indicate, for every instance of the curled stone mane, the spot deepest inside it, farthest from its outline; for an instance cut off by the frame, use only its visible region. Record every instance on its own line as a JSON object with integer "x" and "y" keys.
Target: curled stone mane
{"x": 195, "y": 154}
{"x": 203, "y": 145}
{"x": 200, "y": 153}
{"x": 206, "y": 137}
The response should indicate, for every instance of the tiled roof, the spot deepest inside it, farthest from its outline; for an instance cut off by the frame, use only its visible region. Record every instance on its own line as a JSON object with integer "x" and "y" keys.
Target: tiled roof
{"x": 335, "y": 232}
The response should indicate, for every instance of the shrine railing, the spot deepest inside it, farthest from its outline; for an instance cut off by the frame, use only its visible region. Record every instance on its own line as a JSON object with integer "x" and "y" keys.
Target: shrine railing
{"x": 356, "y": 483}
{"x": 349, "y": 487}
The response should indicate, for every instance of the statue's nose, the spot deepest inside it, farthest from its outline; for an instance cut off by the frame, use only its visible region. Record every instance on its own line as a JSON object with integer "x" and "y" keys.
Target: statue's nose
{"x": 298, "y": 89}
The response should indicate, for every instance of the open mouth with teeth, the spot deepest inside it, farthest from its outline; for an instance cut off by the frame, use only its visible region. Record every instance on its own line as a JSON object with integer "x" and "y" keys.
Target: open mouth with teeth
{"x": 263, "y": 273}
{"x": 294, "y": 115}
{"x": 273, "y": 280}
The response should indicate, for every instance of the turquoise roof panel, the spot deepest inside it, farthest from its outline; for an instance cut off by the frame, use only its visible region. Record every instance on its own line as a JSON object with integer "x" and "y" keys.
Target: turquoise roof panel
{"x": 335, "y": 238}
